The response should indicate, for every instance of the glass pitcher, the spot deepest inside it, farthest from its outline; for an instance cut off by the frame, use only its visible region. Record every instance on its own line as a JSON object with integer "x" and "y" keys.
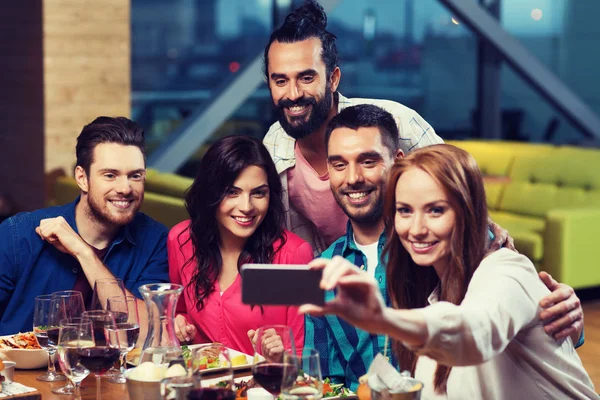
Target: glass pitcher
{"x": 161, "y": 345}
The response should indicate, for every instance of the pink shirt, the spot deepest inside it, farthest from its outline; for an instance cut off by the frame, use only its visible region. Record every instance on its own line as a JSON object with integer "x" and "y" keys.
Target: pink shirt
{"x": 225, "y": 319}
{"x": 311, "y": 195}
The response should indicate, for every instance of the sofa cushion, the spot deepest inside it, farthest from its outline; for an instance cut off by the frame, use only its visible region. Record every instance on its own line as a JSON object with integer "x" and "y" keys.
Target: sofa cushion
{"x": 539, "y": 183}
{"x": 167, "y": 183}
{"x": 531, "y": 244}
{"x": 527, "y": 231}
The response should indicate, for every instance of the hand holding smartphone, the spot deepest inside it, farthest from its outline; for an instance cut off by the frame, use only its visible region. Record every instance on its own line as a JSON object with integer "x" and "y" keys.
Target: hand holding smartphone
{"x": 277, "y": 284}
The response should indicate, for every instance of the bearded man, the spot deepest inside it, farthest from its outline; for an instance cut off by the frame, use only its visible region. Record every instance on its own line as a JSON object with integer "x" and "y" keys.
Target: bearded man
{"x": 100, "y": 235}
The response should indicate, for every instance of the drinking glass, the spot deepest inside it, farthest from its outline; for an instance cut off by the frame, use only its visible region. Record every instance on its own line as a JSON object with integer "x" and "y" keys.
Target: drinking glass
{"x": 302, "y": 376}
{"x": 65, "y": 304}
{"x": 270, "y": 344}
{"x": 106, "y": 350}
{"x": 206, "y": 359}
{"x": 41, "y": 328}
{"x": 127, "y": 332}
{"x": 105, "y": 288}
{"x": 75, "y": 334}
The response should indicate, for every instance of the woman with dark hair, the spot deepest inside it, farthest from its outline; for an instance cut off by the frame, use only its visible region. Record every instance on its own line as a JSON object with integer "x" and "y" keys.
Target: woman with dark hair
{"x": 236, "y": 217}
{"x": 465, "y": 320}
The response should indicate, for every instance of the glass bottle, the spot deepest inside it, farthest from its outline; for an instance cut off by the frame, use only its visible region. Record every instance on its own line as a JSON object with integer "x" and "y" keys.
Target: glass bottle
{"x": 161, "y": 345}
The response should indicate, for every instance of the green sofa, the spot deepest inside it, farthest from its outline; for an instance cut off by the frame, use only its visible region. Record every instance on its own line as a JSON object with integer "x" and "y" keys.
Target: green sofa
{"x": 548, "y": 198}
{"x": 163, "y": 197}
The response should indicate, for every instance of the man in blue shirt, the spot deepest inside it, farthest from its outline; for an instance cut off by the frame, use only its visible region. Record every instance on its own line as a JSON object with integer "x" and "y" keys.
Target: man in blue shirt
{"x": 361, "y": 143}
{"x": 100, "y": 235}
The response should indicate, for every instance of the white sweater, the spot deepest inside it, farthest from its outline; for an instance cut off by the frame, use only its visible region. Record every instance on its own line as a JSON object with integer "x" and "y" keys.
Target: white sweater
{"x": 495, "y": 341}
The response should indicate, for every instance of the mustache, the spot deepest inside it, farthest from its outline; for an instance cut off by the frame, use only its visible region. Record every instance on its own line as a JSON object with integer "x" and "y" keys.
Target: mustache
{"x": 302, "y": 101}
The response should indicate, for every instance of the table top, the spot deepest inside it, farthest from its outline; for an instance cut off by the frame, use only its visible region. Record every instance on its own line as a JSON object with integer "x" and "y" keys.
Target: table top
{"x": 107, "y": 390}
{"x": 28, "y": 378}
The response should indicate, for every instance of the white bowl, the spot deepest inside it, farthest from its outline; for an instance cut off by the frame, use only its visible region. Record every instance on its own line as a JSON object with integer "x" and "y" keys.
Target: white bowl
{"x": 26, "y": 358}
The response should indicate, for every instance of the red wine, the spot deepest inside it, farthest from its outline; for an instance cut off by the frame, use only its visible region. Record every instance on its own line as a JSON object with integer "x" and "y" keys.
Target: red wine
{"x": 98, "y": 359}
{"x": 212, "y": 393}
{"x": 42, "y": 339}
{"x": 53, "y": 336}
{"x": 270, "y": 375}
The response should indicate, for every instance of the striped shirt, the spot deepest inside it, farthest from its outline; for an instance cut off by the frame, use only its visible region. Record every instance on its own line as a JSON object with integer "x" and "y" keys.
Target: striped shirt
{"x": 414, "y": 133}
{"x": 346, "y": 352}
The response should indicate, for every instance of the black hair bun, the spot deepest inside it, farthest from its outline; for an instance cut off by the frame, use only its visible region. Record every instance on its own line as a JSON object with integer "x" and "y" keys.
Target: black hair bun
{"x": 312, "y": 11}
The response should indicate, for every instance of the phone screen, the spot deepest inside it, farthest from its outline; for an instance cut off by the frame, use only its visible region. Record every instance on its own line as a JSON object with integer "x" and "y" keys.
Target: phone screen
{"x": 264, "y": 284}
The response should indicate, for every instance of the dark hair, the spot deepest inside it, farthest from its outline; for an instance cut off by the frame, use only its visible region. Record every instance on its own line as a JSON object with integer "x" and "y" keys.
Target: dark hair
{"x": 409, "y": 285}
{"x": 219, "y": 168}
{"x": 305, "y": 22}
{"x": 367, "y": 116}
{"x": 119, "y": 130}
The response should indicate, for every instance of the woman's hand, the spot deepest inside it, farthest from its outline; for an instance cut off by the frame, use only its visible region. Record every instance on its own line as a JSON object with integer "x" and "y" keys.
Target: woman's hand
{"x": 272, "y": 345}
{"x": 183, "y": 329}
{"x": 358, "y": 299}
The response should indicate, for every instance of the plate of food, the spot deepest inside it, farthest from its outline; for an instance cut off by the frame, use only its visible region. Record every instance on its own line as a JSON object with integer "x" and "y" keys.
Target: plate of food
{"x": 209, "y": 360}
{"x": 24, "y": 350}
{"x": 330, "y": 390}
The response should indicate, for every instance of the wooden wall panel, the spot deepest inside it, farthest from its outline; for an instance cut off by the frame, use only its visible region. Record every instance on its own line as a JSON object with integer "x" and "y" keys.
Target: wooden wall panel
{"x": 86, "y": 70}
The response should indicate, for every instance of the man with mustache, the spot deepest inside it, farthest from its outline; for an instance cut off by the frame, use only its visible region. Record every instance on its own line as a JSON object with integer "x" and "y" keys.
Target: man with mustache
{"x": 302, "y": 72}
{"x": 361, "y": 146}
{"x": 99, "y": 235}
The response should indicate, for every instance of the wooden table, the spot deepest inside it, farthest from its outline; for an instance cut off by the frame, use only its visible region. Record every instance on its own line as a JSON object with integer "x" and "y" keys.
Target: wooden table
{"x": 108, "y": 390}
{"x": 28, "y": 378}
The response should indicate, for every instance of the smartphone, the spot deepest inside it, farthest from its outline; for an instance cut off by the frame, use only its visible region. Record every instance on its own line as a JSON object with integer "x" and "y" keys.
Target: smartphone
{"x": 275, "y": 284}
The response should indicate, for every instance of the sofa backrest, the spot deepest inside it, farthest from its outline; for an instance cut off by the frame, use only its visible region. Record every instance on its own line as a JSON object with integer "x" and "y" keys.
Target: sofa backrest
{"x": 495, "y": 160}
{"x": 167, "y": 183}
{"x": 569, "y": 177}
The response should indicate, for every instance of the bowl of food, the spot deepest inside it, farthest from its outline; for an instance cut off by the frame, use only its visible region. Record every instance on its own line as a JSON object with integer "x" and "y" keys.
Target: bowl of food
{"x": 144, "y": 381}
{"x": 24, "y": 350}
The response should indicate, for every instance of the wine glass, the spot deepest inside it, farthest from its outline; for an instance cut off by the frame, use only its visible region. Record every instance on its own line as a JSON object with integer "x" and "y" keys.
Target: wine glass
{"x": 128, "y": 331}
{"x": 302, "y": 376}
{"x": 75, "y": 334}
{"x": 207, "y": 357}
{"x": 105, "y": 288}
{"x": 65, "y": 304}
{"x": 106, "y": 350}
{"x": 41, "y": 328}
{"x": 270, "y": 344}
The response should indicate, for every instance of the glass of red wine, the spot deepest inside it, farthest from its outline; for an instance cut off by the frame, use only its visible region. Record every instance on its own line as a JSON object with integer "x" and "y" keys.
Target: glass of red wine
{"x": 64, "y": 304}
{"x": 128, "y": 331}
{"x": 41, "y": 327}
{"x": 103, "y": 290}
{"x": 106, "y": 350}
{"x": 206, "y": 361}
{"x": 270, "y": 344}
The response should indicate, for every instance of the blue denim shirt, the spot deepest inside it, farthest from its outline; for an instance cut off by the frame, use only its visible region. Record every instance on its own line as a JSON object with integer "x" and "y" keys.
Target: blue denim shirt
{"x": 30, "y": 266}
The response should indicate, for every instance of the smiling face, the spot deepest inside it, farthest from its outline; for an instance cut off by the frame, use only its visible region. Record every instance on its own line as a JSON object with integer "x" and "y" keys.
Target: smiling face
{"x": 424, "y": 219}
{"x": 300, "y": 90}
{"x": 244, "y": 206}
{"x": 358, "y": 165}
{"x": 114, "y": 188}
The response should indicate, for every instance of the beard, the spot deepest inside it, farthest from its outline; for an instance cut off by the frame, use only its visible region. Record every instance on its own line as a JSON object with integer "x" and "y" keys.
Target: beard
{"x": 99, "y": 211}
{"x": 369, "y": 213}
{"x": 298, "y": 127}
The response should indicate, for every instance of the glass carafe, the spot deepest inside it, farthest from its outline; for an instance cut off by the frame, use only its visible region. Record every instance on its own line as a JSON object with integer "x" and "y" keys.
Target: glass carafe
{"x": 161, "y": 345}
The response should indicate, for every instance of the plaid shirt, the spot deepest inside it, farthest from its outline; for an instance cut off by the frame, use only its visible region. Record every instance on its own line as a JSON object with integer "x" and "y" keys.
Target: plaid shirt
{"x": 346, "y": 352}
{"x": 414, "y": 131}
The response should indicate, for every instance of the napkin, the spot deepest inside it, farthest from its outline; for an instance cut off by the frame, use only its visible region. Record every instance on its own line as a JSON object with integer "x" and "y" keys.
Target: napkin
{"x": 13, "y": 388}
{"x": 382, "y": 376}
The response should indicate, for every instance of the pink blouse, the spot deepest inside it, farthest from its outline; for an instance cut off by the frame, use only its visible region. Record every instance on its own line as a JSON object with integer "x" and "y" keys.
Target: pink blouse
{"x": 224, "y": 318}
